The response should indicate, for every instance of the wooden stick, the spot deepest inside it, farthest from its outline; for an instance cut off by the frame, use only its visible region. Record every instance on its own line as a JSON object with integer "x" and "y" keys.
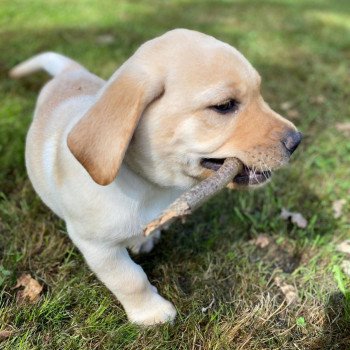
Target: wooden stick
{"x": 197, "y": 195}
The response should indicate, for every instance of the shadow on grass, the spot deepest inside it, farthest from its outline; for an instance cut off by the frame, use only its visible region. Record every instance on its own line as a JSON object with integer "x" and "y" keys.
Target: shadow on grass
{"x": 221, "y": 232}
{"x": 336, "y": 331}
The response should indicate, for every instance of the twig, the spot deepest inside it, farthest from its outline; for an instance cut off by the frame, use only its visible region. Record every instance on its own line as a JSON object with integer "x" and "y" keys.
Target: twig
{"x": 197, "y": 195}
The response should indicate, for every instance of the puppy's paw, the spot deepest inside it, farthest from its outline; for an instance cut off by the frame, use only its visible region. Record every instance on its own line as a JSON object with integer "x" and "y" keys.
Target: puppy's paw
{"x": 157, "y": 310}
{"x": 146, "y": 246}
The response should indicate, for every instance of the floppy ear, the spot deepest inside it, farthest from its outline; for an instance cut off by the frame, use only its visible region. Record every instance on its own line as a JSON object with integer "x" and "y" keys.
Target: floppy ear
{"x": 101, "y": 137}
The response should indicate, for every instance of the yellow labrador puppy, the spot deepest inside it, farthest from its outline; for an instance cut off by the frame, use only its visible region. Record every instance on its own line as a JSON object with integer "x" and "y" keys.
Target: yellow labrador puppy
{"x": 108, "y": 157}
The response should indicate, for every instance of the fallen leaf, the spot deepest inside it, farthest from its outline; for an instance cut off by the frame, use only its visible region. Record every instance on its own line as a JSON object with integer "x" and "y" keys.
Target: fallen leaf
{"x": 289, "y": 291}
{"x": 32, "y": 288}
{"x": 285, "y": 106}
{"x": 299, "y": 220}
{"x": 344, "y": 247}
{"x": 293, "y": 114}
{"x": 105, "y": 39}
{"x": 319, "y": 99}
{"x": 6, "y": 333}
{"x": 343, "y": 128}
{"x": 294, "y": 217}
{"x": 338, "y": 208}
{"x": 262, "y": 241}
{"x": 345, "y": 265}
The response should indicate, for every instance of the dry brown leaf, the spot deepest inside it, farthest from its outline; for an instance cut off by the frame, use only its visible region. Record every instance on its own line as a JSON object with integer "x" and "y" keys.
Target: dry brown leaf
{"x": 285, "y": 106}
{"x": 105, "y": 39}
{"x": 6, "y": 333}
{"x": 320, "y": 99}
{"x": 343, "y": 128}
{"x": 294, "y": 217}
{"x": 338, "y": 208}
{"x": 344, "y": 247}
{"x": 293, "y": 114}
{"x": 289, "y": 291}
{"x": 262, "y": 241}
{"x": 32, "y": 288}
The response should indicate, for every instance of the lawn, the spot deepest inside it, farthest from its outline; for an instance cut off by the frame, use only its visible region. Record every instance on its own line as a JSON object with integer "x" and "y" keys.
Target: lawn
{"x": 302, "y": 50}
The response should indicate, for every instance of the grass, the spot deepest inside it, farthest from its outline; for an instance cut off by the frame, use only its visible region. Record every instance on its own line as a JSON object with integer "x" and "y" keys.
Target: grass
{"x": 302, "y": 50}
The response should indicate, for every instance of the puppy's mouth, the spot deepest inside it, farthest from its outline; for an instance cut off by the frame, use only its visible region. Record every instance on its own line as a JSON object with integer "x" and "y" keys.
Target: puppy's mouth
{"x": 246, "y": 177}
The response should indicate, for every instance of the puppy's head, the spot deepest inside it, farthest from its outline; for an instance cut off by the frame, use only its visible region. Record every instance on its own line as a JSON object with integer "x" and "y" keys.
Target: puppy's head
{"x": 176, "y": 109}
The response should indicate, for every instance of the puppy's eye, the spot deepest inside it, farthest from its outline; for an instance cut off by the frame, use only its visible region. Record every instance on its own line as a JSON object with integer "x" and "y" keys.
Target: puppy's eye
{"x": 226, "y": 107}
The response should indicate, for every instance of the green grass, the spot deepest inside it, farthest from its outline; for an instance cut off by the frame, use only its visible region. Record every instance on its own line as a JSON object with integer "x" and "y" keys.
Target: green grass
{"x": 302, "y": 50}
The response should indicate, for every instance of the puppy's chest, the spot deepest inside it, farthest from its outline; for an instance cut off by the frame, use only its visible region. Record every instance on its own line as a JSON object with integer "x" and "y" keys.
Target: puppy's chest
{"x": 150, "y": 207}
{"x": 122, "y": 217}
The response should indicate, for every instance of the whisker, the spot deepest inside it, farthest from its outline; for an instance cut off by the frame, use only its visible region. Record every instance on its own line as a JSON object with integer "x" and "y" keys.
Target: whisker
{"x": 262, "y": 165}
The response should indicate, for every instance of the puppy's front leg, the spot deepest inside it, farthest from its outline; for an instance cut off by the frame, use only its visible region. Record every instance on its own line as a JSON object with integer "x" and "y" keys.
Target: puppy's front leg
{"x": 127, "y": 281}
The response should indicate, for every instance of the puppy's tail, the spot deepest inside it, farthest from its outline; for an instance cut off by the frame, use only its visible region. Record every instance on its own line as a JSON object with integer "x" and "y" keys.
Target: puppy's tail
{"x": 51, "y": 62}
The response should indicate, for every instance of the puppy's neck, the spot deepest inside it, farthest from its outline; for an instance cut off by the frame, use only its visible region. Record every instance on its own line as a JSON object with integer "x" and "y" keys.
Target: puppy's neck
{"x": 132, "y": 165}
{"x": 152, "y": 199}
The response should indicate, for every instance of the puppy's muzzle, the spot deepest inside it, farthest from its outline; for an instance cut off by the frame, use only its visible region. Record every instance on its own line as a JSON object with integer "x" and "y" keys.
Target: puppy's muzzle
{"x": 246, "y": 177}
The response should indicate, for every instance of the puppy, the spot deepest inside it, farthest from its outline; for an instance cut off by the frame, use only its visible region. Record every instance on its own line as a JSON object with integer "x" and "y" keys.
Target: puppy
{"x": 108, "y": 157}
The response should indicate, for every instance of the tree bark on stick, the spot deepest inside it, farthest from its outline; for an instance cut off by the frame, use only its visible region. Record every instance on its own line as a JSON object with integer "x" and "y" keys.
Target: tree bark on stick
{"x": 196, "y": 196}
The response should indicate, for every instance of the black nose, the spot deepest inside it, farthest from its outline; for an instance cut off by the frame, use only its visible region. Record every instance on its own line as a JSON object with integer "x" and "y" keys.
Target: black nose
{"x": 291, "y": 140}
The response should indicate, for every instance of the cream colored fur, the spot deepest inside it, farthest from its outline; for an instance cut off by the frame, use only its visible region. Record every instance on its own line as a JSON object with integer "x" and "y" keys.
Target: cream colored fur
{"x": 108, "y": 157}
